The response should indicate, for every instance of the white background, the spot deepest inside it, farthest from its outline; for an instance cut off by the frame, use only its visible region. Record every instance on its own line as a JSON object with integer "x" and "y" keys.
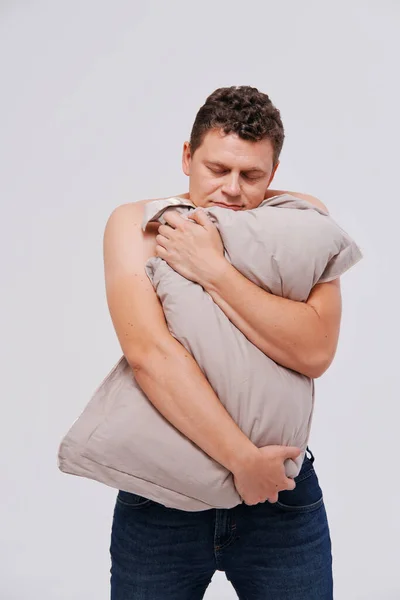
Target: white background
{"x": 96, "y": 101}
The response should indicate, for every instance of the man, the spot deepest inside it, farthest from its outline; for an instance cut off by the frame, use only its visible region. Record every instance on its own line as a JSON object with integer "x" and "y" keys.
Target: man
{"x": 276, "y": 544}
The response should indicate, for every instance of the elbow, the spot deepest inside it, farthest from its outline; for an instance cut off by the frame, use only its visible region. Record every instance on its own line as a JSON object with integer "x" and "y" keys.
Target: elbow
{"x": 145, "y": 356}
{"x": 135, "y": 362}
{"x": 317, "y": 367}
{"x": 140, "y": 359}
{"x": 315, "y": 371}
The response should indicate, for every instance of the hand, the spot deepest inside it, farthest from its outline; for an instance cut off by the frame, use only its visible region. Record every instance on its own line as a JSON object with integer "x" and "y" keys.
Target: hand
{"x": 191, "y": 246}
{"x": 263, "y": 476}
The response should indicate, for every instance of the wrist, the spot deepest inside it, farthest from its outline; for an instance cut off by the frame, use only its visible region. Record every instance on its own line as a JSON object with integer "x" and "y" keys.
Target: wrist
{"x": 220, "y": 269}
{"x": 243, "y": 460}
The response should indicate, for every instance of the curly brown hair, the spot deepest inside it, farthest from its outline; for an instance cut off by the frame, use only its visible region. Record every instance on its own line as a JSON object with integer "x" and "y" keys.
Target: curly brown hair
{"x": 242, "y": 110}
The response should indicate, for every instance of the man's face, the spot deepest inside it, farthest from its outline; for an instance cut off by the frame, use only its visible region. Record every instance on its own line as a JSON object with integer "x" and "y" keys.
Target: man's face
{"x": 228, "y": 170}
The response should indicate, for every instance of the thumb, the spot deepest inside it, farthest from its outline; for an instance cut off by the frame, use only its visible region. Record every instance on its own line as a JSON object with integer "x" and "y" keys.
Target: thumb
{"x": 291, "y": 452}
{"x": 199, "y": 216}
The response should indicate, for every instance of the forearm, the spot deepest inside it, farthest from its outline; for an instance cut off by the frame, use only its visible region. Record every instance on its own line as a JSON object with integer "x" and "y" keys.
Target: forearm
{"x": 175, "y": 385}
{"x": 289, "y": 332}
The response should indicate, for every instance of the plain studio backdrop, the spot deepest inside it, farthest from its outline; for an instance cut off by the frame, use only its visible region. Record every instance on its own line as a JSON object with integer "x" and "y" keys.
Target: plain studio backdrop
{"x": 96, "y": 101}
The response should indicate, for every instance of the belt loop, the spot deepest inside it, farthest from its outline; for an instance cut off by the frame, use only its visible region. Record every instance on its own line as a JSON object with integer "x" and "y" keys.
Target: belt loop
{"x": 312, "y": 458}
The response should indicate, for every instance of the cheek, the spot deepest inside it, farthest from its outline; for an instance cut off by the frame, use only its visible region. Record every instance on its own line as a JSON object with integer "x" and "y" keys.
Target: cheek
{"x": 203, "y": 185}
{"x": 255, "y": 198}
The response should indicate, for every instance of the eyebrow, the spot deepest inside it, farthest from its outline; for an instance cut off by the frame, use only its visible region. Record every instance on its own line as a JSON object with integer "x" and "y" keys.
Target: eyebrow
{"x": 218, "y": 164}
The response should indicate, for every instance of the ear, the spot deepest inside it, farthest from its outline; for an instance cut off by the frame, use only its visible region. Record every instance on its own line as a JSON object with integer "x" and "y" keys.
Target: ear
{"x": 273, "y": 172}
{"x": 186, "y": 158}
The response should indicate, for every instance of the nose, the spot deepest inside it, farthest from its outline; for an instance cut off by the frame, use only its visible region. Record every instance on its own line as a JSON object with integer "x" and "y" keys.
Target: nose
{"x": 231, "y": 185}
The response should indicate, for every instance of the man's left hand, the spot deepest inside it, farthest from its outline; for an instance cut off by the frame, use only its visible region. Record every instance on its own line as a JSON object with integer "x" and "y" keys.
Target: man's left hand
{"x": 191, "y": 246}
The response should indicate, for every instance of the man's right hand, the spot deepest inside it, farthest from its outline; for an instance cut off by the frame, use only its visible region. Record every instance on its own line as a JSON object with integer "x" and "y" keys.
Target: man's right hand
{"x": 262, "y": 476}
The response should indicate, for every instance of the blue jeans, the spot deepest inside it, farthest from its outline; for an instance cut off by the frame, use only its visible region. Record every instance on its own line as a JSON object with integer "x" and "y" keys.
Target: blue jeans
{"x": 279, "y": 551}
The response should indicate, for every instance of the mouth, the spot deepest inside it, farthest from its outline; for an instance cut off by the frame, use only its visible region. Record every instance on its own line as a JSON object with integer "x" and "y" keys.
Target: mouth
{"x": 230, "y": 206}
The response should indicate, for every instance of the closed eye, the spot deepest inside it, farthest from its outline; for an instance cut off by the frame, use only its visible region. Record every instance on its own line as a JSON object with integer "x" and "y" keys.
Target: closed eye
{"x": 216, "y": 172}
{"x": 254, "y": 177}
{"x": 244, "y": 174}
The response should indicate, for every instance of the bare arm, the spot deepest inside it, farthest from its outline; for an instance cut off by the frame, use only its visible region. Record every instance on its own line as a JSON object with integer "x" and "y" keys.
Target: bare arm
{"x": 166, "y": 372}
{"x": 302, "y": 336}
{"x": 270, "y": 193}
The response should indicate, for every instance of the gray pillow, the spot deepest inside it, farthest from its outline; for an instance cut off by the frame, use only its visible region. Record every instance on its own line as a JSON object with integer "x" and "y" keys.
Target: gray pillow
{"x": 285, "y": 246}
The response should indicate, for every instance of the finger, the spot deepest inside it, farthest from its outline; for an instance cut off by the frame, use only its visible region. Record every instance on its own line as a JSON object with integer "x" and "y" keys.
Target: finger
{"x": 273, "y": 498}
{"x": 290, "y": 484}
{"x": 166, "y": 230}
{"x": 173, "y": 218}
{"x": 200, "y": 217}
{"x": 162, "y": 241}
{"x": 160, "y": 251}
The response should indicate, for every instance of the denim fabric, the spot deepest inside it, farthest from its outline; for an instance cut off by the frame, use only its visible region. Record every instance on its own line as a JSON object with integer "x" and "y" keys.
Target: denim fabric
{"x": 279, "y": 551}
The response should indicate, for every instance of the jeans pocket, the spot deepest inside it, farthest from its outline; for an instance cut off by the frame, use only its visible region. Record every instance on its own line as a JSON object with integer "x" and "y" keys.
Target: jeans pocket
{"x": 306, "y": 496}
{"x": 132, "y": 500}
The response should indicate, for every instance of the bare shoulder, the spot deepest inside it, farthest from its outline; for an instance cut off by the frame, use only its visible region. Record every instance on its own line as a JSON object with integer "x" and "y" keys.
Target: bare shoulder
{"x": 123, "y": 223}
{"x": 315, "y": 201}
{"x": 129, "y": 209}
{"x": 124, "y": 240}
{"x": 131, "y": 214}
{"x": 134, "y": 307}
{"x": 308, "y": 197}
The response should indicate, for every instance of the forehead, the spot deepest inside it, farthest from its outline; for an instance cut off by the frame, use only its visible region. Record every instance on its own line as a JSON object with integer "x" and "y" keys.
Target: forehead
{"x": 232, "y": 150}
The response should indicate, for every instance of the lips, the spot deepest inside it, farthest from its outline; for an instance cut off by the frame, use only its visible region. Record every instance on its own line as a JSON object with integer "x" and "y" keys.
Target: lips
{"x": 231, "y": 206}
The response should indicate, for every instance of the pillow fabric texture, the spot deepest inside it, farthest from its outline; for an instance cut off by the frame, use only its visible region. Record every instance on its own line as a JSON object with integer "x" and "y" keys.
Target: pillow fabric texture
{"x": 285, "y": 246}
